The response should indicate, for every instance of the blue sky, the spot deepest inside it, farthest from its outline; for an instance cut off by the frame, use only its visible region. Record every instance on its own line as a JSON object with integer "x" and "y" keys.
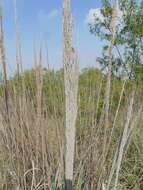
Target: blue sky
{"x": 39, "y": 18}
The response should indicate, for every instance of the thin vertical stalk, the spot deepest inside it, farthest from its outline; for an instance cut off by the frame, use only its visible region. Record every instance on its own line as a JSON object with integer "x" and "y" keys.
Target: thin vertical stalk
{"x": 71, "y": 91}
{"x": 3, "y": 62}
{"x": 124, "y": 140}
{"x": 108, "y": 83}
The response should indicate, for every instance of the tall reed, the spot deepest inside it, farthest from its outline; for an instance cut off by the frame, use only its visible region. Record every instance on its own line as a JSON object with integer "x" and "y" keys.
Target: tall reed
{"x": 71, "y": 91}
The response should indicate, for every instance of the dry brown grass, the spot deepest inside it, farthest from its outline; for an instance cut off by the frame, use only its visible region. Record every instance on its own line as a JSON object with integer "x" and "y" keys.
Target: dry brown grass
{"x": 32, "y": 139}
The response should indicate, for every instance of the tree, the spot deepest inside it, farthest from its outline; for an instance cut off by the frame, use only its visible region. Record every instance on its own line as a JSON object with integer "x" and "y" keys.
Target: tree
{"x": 129, "y": 38}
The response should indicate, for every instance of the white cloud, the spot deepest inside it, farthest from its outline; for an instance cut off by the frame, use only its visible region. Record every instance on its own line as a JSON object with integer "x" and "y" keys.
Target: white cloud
{"x": 45, "y": 16}
{"x": 54, "y": 13}
{"x": 93, "y": 14}
{"x": 96, "y": 13}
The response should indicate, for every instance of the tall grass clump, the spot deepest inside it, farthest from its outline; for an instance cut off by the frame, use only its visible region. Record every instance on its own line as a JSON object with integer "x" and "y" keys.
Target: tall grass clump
{"x": 69, "y": 129}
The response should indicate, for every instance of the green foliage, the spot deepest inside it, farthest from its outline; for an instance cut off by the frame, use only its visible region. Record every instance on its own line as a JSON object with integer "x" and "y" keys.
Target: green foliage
{"x": 53, "y": 91}
{"x": 90, "y": 80}
{"x": 129, "y": 37}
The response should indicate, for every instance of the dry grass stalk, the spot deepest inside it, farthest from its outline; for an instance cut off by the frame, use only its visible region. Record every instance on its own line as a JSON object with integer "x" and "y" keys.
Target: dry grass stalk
{"x": 115, "y": 117}
{"x": 108, "y": 83}
{"x": 120, "y": 149}
{"x": 18, "y": 43}
{"x": 3, "y": 62}
{"x": 124, "y": 140}
{"x": 71, "y": 90}
{"x": 20, "y": 95}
